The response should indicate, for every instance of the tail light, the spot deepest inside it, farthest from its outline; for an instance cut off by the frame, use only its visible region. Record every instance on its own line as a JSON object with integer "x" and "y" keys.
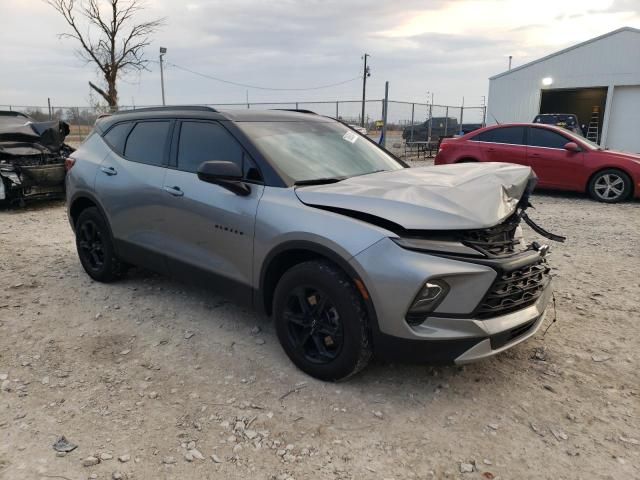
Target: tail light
{"x": 69, "y": 162}
{"x": 443, "y": 145}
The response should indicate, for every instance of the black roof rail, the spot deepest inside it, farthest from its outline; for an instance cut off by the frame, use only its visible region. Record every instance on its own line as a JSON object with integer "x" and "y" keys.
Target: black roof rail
{"x": 194, "y": 108}
{"x": 298, "y": 110}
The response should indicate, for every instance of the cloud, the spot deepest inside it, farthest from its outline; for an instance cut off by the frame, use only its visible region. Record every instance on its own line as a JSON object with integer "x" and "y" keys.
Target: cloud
{"x": 447, "y": 47}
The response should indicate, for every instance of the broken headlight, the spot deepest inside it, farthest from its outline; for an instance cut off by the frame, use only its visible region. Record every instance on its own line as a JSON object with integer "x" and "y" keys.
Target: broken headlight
{"x": 434, "y": 245}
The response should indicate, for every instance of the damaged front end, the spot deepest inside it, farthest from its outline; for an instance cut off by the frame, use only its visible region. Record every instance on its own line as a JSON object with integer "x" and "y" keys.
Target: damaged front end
{"x": 464, "y": 272}
{"x": 523, "y": 273}
{"x": 32, "y": 156}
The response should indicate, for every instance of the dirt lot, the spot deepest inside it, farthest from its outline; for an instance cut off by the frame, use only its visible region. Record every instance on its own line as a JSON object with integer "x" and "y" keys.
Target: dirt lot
{"x": 158, "y": 380}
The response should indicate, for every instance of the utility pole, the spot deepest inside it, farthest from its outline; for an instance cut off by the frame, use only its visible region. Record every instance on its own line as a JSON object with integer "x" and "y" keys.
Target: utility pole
{"x": 163, "y": 50}
{"x": 385, "y": 108}
{"x": 430, "y": 116}
{"x": 365, "y": 73}
{"x": 484, "y": 110}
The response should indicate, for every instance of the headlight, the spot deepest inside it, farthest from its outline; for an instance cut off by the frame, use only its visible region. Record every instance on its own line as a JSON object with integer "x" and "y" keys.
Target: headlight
{"x": 426, "y": 301}
{"x": 431, "y": 245}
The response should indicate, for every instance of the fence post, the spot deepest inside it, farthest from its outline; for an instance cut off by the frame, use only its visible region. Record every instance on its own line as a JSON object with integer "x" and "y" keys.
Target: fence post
{"x": 297, "y": 106}
{"x": 385, "y": 108}
{"x": 337, "y": 110}
{"x": 446, "y": 120}
{"x": 461, "y": 115}
{"x": 78, "y": 120}
{"x": 413, "y": 108}
{"x": 430, "y": 122}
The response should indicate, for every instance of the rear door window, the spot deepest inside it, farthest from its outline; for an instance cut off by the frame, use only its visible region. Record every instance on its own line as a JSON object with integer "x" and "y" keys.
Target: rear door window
{"x": 541, "y": 137}
{"x": 508, "y": 135}
{"x": 117, "y": 136}
{"x": 147, "y": 142}
{"x": 206, "y": 141}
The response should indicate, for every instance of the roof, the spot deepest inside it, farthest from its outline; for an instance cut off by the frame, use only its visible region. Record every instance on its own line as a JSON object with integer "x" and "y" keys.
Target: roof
{"x": 190, "y": 111}
{"x": 573, "y": 47}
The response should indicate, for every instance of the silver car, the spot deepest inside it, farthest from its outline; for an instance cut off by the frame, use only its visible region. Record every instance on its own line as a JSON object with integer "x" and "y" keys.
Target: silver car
{"x": 349, "y": 251}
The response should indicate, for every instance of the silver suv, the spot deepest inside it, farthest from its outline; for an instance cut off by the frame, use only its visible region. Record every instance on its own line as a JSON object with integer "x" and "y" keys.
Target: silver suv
{"x": 351, "y": 252}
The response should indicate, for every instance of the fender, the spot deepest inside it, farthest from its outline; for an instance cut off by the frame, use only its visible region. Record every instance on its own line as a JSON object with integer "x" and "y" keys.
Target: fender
{"x": 84, "y": 194}
{"x": 259, "y": 300}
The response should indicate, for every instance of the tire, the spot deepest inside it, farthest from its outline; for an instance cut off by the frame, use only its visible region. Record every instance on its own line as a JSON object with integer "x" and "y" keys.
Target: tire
{"x": 610, "y": 186}
{"x": 316, "y": 301}
{"x": 95, "y": 247}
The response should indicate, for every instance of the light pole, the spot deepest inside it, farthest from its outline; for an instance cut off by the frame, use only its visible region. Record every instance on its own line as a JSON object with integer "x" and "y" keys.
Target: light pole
{"x": 163, "y": 50}
{"x": 365, "y": 73}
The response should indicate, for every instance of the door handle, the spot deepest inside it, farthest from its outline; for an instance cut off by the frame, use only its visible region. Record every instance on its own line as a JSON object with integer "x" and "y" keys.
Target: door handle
{"x": 109, "y": 171}
{"x": 535, "y": 155}
{"x": 175, "y": 191}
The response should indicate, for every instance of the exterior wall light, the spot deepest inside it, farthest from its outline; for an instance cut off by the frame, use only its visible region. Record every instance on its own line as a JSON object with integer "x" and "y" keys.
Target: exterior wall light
{"x": 547, "y": 81}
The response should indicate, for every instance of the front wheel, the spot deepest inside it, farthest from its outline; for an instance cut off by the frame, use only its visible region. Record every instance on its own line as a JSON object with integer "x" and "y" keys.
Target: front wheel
{"x": 95, "y": 247}
{"x": 610, "y": 186}
{"x": 321, "y": 321}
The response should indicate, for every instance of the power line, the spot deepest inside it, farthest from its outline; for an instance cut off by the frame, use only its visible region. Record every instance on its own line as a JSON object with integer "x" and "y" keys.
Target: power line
{"x": 257, "y": 87}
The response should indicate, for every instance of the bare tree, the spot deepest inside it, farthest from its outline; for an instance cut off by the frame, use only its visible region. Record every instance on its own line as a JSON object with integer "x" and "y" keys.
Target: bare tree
{"x": 113, "y": 41}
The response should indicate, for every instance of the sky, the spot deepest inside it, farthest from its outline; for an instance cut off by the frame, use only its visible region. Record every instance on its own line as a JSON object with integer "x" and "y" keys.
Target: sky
{"x": 446, "y": 47}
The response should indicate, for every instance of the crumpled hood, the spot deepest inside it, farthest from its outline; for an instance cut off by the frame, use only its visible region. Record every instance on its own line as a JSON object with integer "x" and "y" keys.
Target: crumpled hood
{"x": 44, "y": 135}
{"x": 448, "y": 197}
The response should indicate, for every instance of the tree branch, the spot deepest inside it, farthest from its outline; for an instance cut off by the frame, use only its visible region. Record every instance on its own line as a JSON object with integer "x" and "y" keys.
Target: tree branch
{"x": 100, "y": 91}
{"x": 118, "y": 43}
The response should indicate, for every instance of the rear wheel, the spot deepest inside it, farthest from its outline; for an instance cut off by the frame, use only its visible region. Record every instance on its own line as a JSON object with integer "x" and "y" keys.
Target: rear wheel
{"x": 95, "y": 247}
{"x": 610, "y": 186}
{"x": 321, "y": 321}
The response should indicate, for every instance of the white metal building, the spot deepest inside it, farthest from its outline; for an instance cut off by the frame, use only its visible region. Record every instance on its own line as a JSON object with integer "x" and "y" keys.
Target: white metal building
{"x": 601, "y": 75}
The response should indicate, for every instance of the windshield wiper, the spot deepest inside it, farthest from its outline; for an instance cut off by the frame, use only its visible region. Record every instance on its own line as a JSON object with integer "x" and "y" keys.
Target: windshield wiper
{"x": 319, "y": 181}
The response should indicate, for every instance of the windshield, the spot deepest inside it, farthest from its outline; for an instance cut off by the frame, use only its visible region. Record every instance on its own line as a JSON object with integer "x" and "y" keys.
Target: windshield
{"x": 569, "y": 120}
{"x": 317, "y": 150}
{"x": 581, "y": 140}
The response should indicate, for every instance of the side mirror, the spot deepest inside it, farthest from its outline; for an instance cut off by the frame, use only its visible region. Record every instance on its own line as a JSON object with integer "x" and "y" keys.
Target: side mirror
{"x": 572, "y": 147}
{"x": 225, "y": 174}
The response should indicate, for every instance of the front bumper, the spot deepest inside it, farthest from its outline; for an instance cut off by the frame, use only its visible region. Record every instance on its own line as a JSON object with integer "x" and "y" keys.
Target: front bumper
{"x": 393, "y": 275}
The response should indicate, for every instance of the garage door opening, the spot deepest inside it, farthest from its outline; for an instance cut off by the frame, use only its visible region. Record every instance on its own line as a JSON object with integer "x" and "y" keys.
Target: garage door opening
{"x": 579, "y": 101}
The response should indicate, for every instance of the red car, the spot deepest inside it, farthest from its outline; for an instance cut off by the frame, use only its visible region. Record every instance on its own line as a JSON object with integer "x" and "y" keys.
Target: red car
{"x": 561, "y": 159}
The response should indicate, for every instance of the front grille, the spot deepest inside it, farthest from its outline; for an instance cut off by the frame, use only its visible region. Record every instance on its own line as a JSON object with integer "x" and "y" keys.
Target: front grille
{"x": 515, "y": 289}
{"x": 495, "y": 241}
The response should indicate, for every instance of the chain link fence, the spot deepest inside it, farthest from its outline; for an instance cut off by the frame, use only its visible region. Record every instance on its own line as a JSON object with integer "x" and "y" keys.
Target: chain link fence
{"x": 412, "y": 128}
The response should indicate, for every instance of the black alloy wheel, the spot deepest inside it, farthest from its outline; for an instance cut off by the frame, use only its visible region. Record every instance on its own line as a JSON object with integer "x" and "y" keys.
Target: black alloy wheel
{"x": 322, "y": 321}
{"x": 95, "y": 247}
{"x": 91, "y": 245}
{"x": 314, "y": 325}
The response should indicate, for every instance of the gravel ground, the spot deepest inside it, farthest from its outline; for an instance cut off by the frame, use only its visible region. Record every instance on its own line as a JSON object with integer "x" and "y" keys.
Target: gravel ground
{"x": 153, "y": 379}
